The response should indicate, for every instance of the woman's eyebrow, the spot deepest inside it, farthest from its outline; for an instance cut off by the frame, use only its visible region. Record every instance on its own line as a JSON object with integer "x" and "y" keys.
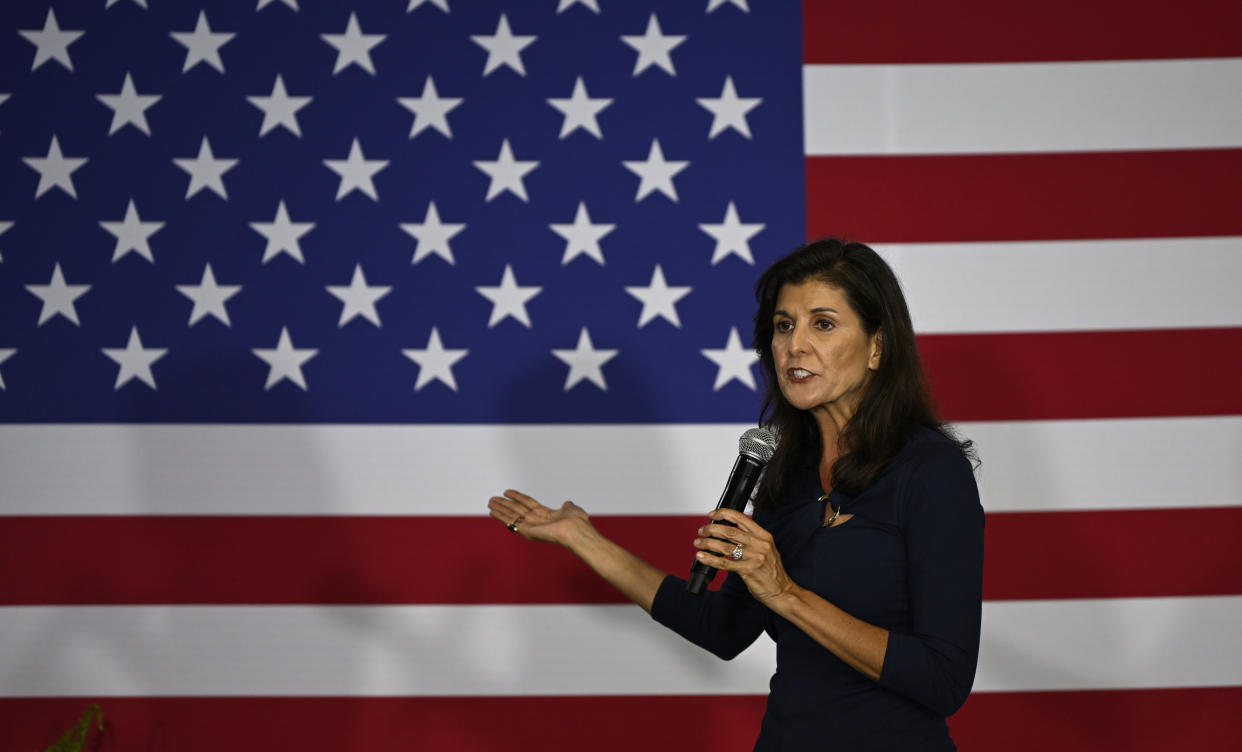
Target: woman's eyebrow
{"x": 783, "y": 312}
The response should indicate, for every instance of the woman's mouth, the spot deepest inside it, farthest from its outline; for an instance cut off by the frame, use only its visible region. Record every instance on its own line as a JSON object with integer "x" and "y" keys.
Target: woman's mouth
{"x": 798, "y": 375}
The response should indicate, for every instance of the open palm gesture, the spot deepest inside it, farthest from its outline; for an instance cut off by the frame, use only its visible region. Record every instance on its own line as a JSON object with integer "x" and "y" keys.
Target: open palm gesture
{"x": 533, "y": 521}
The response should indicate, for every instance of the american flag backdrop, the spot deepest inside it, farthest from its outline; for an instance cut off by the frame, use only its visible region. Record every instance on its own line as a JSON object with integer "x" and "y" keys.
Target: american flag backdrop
{"x": 289, "y": 288}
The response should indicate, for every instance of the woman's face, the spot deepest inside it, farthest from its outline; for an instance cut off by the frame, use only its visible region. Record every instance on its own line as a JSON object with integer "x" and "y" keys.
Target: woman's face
{"x": 822, "y": 354}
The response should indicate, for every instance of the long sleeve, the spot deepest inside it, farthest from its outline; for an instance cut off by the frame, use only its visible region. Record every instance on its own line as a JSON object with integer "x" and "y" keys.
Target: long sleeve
{"x": 724, "y": 622}
{"x": 934, "y": 662}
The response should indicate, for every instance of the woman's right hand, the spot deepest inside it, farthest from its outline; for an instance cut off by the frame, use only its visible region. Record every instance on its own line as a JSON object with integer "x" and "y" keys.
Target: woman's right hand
{"x": 571, "y": 527}
{"x": 533, "y": 521}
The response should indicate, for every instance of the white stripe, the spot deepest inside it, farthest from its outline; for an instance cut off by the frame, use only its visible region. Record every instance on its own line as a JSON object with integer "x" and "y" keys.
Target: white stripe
{"x": 1173, "y": 283}
{"x": 365, "y": 650}
{"x": 1120, "y": 643}
{"x": 1022, "y": 107}
{"x": 1109, "y": 464}
{"x": 554, "y": 650}
{"x": 629, "y": 470}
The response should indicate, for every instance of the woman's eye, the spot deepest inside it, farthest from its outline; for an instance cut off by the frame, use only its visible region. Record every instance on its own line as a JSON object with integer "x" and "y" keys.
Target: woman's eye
{"x": 824, "y": 324}
{"x": 783, "y": 326}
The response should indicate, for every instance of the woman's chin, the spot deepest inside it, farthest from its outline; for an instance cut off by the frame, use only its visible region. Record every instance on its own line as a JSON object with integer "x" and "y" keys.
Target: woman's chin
{"x": 799, "y": 401}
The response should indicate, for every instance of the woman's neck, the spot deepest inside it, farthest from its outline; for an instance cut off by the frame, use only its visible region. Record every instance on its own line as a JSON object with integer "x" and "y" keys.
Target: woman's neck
{"x": 831, "y": 423}
{"x": 827, "y": 460}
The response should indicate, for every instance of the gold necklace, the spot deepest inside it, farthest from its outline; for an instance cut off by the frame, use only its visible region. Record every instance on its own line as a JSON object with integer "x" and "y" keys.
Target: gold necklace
{"x": 836, "y": 513}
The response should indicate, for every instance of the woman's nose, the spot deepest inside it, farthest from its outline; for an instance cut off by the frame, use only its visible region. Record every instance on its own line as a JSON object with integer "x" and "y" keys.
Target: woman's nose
{"x": 797, "y": 341}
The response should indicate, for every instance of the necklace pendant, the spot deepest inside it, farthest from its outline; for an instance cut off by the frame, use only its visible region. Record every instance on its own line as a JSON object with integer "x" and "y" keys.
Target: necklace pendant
{"x": 835, "y": 514}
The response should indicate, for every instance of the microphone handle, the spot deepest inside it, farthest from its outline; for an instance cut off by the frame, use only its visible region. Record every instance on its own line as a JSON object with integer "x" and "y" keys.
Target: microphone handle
{"x": 700, "y": 573}
{"x": 742, "y": 481}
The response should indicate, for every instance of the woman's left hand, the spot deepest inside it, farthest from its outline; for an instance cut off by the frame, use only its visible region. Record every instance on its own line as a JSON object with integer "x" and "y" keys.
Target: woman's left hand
{"x": 760, "y": 564}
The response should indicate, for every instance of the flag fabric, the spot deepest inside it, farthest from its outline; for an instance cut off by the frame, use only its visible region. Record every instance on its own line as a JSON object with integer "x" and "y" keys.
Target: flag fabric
{"x": 288, "y": 288}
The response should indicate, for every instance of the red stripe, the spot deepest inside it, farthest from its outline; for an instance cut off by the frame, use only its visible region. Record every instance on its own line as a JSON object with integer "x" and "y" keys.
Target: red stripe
{"x": 994, "y": 197}
{"x": 473, "y": 560}
{"x": 460, "y": 724}
{"x": 970, "y": 31}
{"x": 330, "y": 560}
{"x": 1096, "y": 374}
{"x": 1132, "y": 720}
{"x": 1147, "y": 720}
{"x": 1109, "y": 554}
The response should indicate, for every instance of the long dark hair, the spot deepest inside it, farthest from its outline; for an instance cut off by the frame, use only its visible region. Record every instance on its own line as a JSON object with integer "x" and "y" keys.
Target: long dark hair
{"x": 895, "y": 400}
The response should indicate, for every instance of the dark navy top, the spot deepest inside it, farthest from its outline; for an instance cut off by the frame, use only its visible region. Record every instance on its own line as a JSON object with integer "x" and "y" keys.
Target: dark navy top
{"x": 910, "y": 561}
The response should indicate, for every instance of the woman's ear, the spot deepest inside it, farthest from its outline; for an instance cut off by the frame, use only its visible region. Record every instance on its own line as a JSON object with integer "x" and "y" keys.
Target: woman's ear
{"x": 873, "y": 359}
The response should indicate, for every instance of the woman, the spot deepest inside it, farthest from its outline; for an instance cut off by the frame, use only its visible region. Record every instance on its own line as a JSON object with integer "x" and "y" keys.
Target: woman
{"x": 864, "y": 559}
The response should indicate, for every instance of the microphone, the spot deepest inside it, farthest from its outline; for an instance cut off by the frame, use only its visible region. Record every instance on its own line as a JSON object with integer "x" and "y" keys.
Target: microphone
{"x": 754, "y": 449}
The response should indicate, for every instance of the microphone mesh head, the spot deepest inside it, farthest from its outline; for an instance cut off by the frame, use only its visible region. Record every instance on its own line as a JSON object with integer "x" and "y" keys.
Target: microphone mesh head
{"x": 758, "y": 443}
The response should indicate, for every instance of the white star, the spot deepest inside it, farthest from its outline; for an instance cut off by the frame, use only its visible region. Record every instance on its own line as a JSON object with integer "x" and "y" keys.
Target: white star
{"x": 654, "y": 47}
{"x": 432, "y": 235}
{"x": 58, "y": 297}
{"x": 135, "y": 360}
{"x": 5, "y": 354}
{"x": 52, "y": 43}
{"x": 733, "y": 362}
{"x": 582, "y": 236}
{"x": 209, "y": 297}
{"x": 430, "y": 110}
{"x": 203, "y": 45}
{"x": 264, "y": 3}
{"x": 284, "y": 361}
{"x": 206, "y": 171}
{"x": 359, "y": 299}
{"x": 580, "y": 111}
{"x": 656, "y": 173}
{"x": 658, "y": 299}
{"x": 732, "y": 236}
{"x": 356, "y": 172}
{"x": 353, "y": 47}
{"x": 506, "y": 173}
{"x": 140, "y": 3}
{"x": 282, "y": 235}
{"x": 503, "y": 48}
{"x": 441, "y": 4}
{"x": 129, "y": 107}
{"x": 592, "y": 4}
{"x": 585, "y": 361}
{"x": 132, "y": 234}
{"x": 4, "y": 227}
{"x": 508, "y": 299}
{"x": 729, "y": 111}
{"x": 55, "y": 170}
{"x": 279, "y": 109}
{"x": 714, "y": 4}
{"x": 434, "y": 362}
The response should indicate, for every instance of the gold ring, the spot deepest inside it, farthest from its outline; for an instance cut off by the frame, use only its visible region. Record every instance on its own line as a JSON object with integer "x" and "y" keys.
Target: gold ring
{"x": 513, "y": 525}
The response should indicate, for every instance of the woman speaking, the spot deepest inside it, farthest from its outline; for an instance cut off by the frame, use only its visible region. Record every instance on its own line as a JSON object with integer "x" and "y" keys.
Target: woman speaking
{"x": 864, "y": 558}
